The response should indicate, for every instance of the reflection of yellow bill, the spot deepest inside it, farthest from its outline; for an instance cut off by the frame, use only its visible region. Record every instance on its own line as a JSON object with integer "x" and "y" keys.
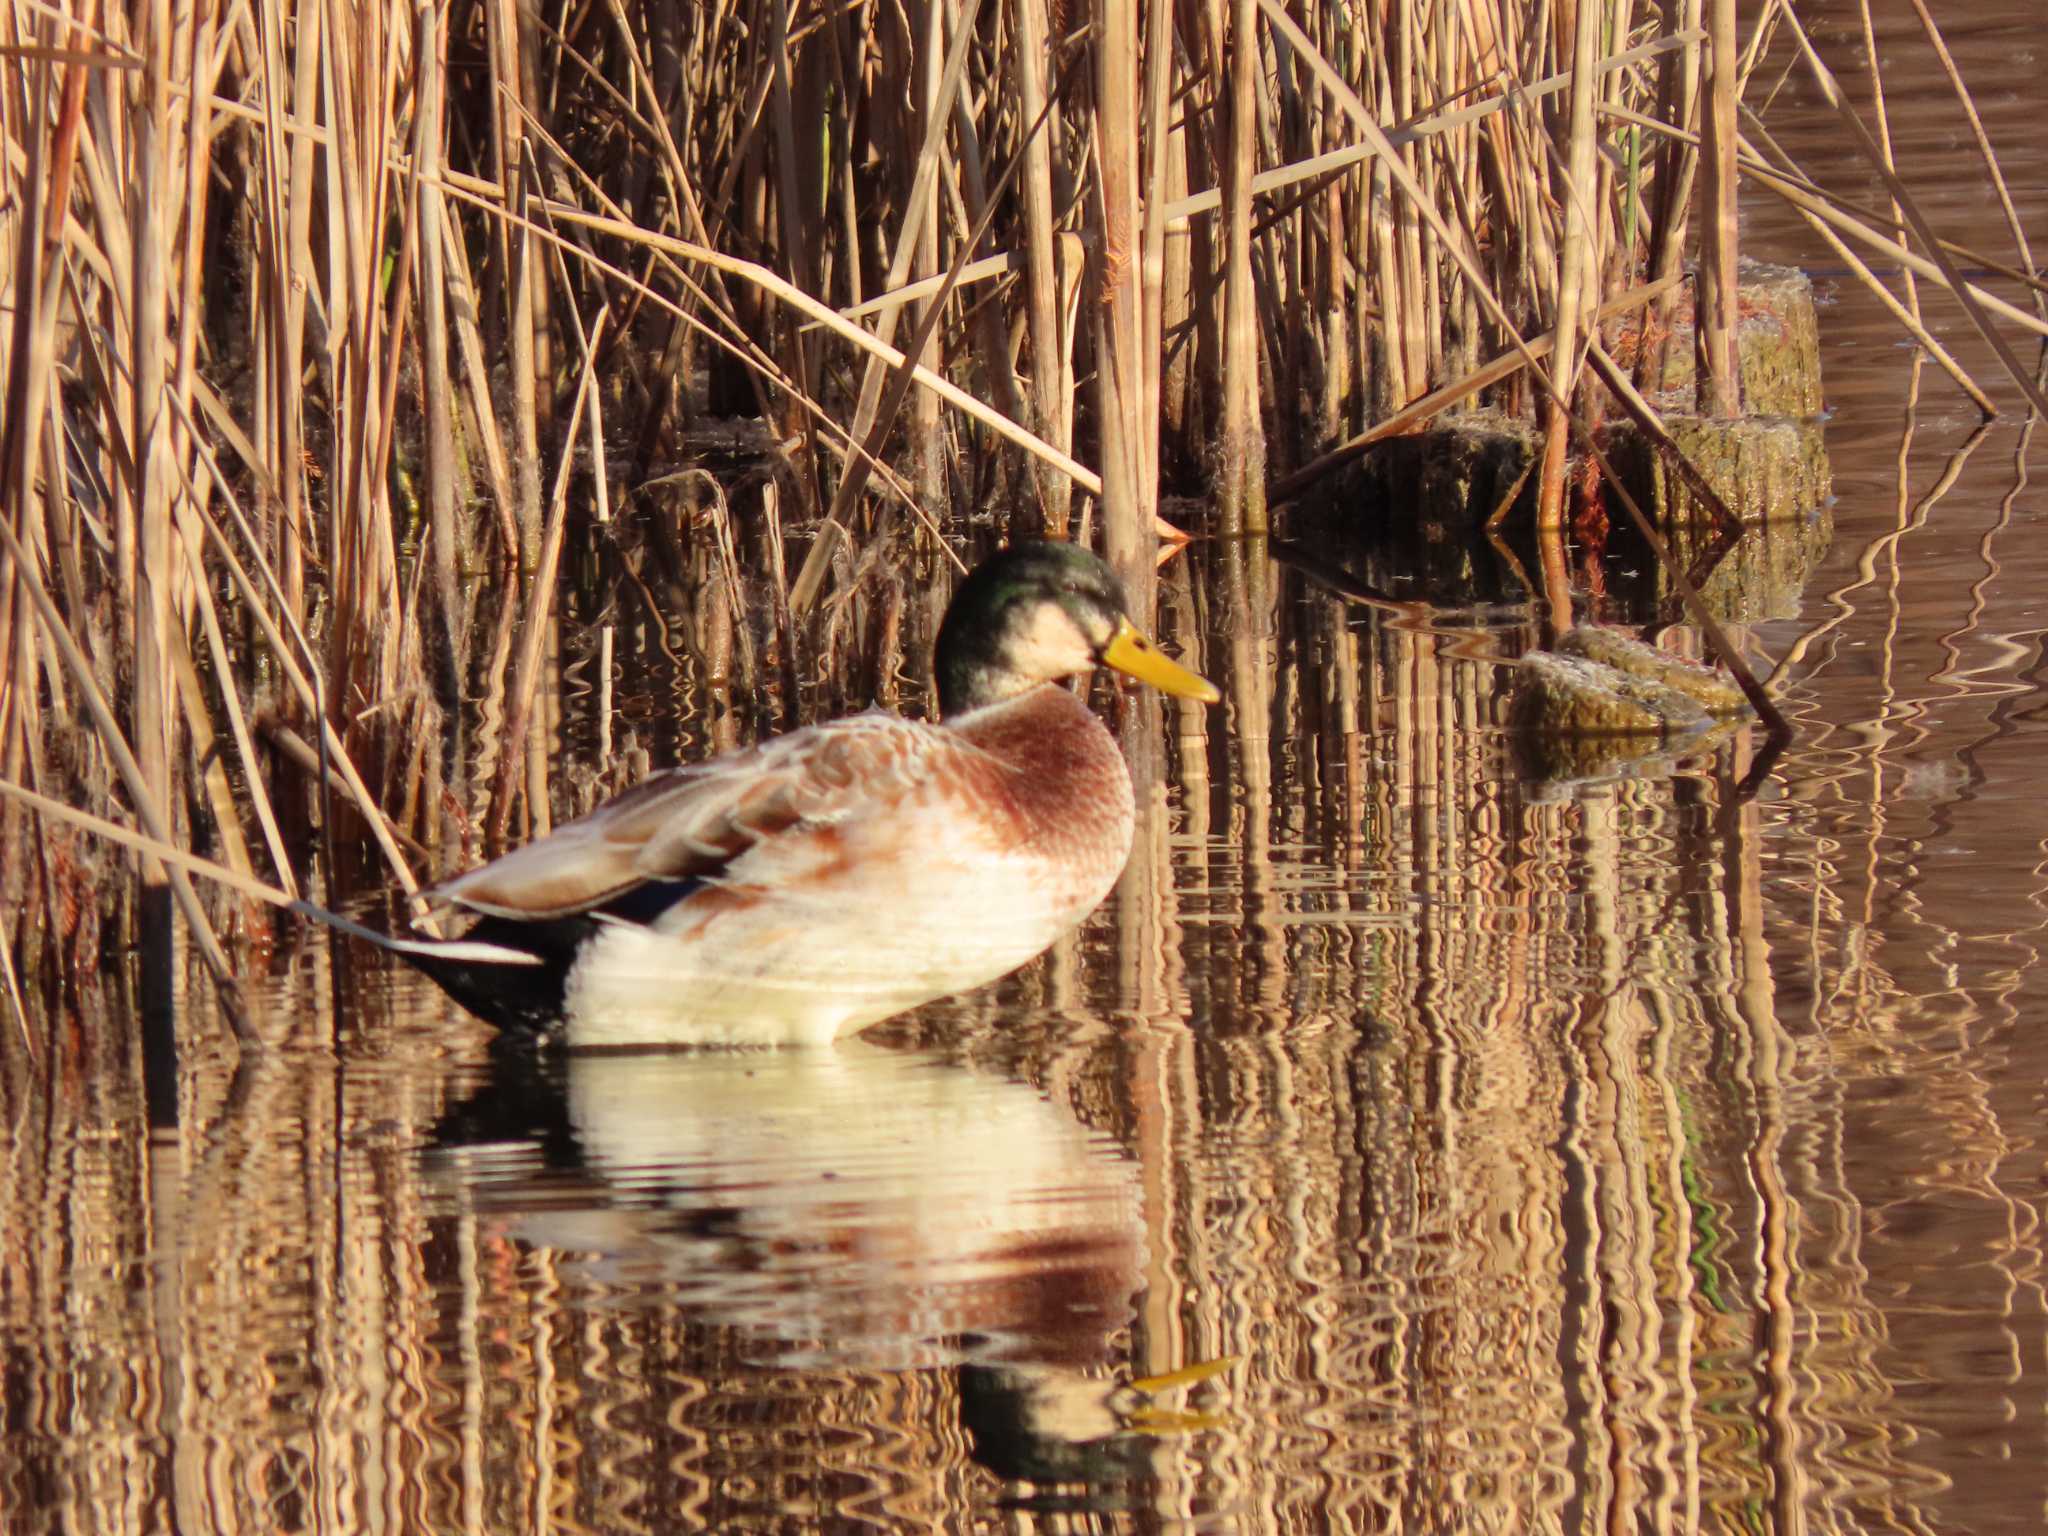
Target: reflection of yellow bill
{"x": 1147, "y": 1419}
{"x": 1186, "y": 1376}
{"x": 1132, "y": 654}
{"x": 1164, "y": 1421}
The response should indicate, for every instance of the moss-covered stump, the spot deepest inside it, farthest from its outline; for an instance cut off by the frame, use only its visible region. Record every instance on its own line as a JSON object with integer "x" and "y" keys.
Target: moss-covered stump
{"x": 1769, "y": 464}
{"x": 1762, "y": 467}
{"x": 1448, "y": 480}
{"x": 1778, "y": 341}
{"x": 1603, "y": 701}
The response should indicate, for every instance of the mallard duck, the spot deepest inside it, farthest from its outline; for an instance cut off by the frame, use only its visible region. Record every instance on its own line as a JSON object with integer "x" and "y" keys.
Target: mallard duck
{"x": 817, "y": 883}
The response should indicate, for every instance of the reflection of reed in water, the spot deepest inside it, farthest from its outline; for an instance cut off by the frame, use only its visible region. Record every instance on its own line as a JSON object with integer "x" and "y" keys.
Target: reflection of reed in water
{"x": 1487, "y": 1128}
{"x": 1505, "y": 1138}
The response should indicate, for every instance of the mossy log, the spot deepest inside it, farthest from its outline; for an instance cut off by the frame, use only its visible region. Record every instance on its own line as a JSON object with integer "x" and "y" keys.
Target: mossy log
{"x": 1603, "y": 702}
{"x": 1767, "y": 465}
{"x": 1778, "y": 339}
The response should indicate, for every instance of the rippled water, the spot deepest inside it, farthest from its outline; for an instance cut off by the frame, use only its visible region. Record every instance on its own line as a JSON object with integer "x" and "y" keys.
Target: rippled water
{"x": 1628, "y": 1153}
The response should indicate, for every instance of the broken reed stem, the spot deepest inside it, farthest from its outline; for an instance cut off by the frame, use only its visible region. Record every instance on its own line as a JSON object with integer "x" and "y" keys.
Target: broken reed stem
{"x": 1906, "y": 317}
{"x": 1772, "y": 168}
{"x": 1983, "y": 143}
{"x": 160, "y": 849}
{"x": 1830, "y": 213}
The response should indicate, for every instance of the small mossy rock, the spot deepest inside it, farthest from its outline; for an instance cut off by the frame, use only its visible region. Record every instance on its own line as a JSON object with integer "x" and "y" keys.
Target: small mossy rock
{"x": 1716, "y": 694}
{"x": 1603, "y": 704}
{"x": 1572, "y": 696}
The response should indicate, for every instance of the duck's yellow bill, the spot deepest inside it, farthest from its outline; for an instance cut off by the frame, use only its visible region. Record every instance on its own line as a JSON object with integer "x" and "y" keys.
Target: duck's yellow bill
{"x": 1132, "y": 654}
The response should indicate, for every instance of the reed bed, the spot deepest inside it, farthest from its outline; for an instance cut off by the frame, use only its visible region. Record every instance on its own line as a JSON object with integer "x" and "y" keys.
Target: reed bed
{"x": 348, "y": 344}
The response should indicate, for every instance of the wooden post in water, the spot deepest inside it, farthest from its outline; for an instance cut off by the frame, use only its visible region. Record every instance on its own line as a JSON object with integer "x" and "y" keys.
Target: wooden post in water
{"x": 1720, "y": 384}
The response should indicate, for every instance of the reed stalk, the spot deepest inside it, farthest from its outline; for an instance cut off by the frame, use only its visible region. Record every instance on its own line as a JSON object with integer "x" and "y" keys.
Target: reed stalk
{"x": 1992, "y": 170}
{"x": 1719, "y": 374}
{"x": 1907, "y": 316}
{"x": 1045, "y": 318}
{"x": 1580, "y": 262}
{"x": 1884, "y": 137}
{"x": 1239, "y": 483}
{"x": 1129, "y": 497}
{"x": 1831, "y": 91}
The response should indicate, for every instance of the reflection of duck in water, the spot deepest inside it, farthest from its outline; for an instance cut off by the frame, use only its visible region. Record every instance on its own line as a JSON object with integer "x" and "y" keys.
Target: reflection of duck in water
{"x": 855, "y": 1208}
{"x": 819, "y": 882}
{"x": 1042, "y": 1424}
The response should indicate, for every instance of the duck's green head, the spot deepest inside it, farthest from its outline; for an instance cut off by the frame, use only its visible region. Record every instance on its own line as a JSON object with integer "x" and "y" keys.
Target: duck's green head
{"x": 1039, "y": 612}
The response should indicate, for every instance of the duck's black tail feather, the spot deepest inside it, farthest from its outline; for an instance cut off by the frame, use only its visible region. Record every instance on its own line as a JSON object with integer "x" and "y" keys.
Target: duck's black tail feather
{"x": 508, "y": 974}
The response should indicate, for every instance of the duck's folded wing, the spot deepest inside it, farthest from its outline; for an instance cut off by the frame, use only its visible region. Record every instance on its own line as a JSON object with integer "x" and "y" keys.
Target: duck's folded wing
{"x": 690, "y": 823}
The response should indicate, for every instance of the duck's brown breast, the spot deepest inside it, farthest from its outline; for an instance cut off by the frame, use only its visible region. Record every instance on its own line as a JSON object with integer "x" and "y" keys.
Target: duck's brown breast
{"x": 1057, "y": 786}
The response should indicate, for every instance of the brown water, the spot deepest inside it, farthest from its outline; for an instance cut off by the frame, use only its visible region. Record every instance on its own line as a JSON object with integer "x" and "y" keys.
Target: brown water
{"x": 1615, "y": 1155}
